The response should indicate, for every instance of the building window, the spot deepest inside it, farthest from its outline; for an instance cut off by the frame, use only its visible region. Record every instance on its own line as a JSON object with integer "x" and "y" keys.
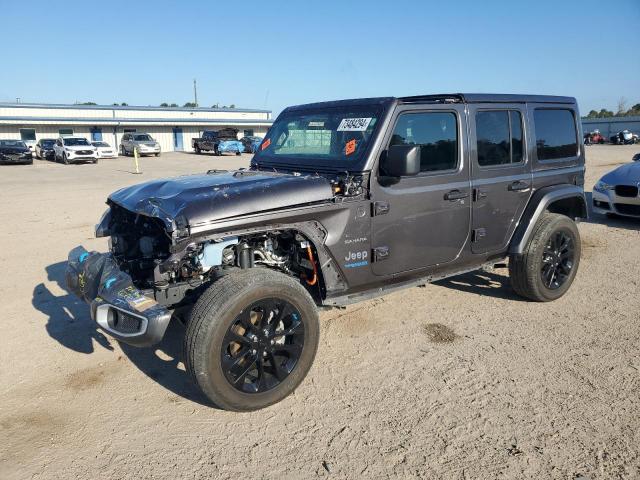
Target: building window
{"x": 96, "y": 134}
{"x": 129, "y": 130}
{"x": 28, "y": 134}
{"x": 248, "y": 133}
{"x": 65, "y": 132}
{"x": 435, "y": 132}
{"x": 499, "y": 137}
{"x": 556, "y": 135}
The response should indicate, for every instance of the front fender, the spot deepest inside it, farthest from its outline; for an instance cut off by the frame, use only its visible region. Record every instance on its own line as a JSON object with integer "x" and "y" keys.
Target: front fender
{"x": 541, "y": 201}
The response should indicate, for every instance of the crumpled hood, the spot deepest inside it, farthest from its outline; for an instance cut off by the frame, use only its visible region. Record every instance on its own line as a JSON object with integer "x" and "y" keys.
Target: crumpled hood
{"x": 627, "y": 174}
{"x": 195, "y": 200}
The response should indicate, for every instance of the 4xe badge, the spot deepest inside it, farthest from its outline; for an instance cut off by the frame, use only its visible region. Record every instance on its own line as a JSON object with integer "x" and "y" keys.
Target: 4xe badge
{"x": 357, "y": 259}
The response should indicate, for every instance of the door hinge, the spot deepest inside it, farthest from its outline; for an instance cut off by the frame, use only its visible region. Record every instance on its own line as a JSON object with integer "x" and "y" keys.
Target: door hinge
{"x": 380, "y": 208}
{"x": 478, "y": 234}
{"x": 380, "y": 253}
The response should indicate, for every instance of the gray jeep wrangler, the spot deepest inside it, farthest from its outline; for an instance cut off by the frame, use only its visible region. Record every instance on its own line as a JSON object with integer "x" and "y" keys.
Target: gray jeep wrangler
{"x": 343, "y": 201}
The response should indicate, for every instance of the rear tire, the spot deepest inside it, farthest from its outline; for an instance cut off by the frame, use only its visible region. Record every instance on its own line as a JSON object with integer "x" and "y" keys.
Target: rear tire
{"x": 548, "y": 265}
{"x": 230, "y": 336}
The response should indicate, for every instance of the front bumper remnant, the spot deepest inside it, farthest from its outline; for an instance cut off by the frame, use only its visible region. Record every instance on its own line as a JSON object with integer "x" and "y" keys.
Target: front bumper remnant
{"x": 117, "y": 306}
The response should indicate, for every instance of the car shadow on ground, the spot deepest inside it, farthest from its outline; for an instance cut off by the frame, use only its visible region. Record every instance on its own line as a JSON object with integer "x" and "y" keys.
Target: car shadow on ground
{"x": 481, "y": 282}
{"x": 609, "y": 220}
{"x": 69, "y": 323}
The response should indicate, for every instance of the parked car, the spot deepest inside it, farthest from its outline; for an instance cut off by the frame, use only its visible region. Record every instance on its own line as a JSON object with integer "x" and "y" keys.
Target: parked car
{"x": 251, "y": 143}
{"x": 594, "y": 137}
{"x": 345, "y": 201}
{"x": 143, "y": 142}
{"x": 74, "y": 150}
{"x": 105, "y": 150}
{"x": 15, "y": 152}
{"x": 624, "y": 137}
{"x": 44, "y": 148}
{"x": 617, "y": 192}
{"x": 218, "y": 142}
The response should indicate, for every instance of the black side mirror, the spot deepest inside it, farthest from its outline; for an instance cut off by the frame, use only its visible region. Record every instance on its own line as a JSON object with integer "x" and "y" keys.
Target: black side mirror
{"x": 401, "y": 161}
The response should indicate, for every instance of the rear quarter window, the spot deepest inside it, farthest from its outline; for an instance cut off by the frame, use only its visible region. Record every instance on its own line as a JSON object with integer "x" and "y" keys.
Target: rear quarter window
{"x": 556, "y": 134}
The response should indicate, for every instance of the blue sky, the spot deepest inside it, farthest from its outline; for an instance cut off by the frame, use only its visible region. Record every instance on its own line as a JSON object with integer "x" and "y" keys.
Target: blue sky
{"x": 271, "y": 54}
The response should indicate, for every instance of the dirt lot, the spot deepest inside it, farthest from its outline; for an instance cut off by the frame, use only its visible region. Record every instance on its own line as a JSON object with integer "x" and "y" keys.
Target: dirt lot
{"x": 460, "y": 379}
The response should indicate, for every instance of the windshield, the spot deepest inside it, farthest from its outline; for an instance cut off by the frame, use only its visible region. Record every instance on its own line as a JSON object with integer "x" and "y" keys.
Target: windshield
{"x": 100, "y": 144}
{"x": 329, "y": 136}
{"x": 47, "y": 143}
{"x": 142, "y": 138}
{"x": 12, "y": 143}
{"x": 75, "y": 141}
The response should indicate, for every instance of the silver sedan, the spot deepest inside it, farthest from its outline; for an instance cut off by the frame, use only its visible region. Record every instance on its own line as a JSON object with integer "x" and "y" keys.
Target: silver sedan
{"x": 617, "y": 192}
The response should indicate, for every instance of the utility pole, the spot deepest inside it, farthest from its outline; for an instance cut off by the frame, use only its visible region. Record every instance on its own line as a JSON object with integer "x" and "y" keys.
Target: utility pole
{"x": 195, "y": 92}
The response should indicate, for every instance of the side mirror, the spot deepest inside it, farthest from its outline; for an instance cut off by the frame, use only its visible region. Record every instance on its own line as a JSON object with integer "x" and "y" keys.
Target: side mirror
{"x": 401, "y": 161}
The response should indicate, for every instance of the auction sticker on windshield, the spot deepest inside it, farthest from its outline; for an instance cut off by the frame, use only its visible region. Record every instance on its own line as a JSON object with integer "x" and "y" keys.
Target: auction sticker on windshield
{"x": 354, "y": 124}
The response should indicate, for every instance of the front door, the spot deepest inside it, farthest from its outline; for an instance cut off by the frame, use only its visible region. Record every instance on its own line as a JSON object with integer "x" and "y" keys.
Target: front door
{"x": 423, "y": 220}
{"x": 501, "y": 174}
{"x": 177, "y": 139}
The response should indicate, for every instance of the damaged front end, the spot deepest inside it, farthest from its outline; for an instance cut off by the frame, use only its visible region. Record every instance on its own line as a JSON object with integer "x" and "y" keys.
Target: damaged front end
{"x": 157, "y": 263}
{"x": 117, "y": 305}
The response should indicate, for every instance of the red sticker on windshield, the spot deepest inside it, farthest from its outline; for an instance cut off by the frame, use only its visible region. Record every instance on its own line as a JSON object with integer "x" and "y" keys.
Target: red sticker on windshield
{"x": 265, "y": 144}
{"x": 350, "y": 147}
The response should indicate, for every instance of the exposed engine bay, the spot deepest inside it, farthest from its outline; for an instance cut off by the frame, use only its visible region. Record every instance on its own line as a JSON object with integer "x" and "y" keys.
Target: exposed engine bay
{"x": 142, "y": 248}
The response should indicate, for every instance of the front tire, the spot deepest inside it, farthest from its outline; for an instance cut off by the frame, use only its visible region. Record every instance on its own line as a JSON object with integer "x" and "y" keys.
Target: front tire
{"x": 548, "y": 265}
{"x": 251, "y": 339}
{"x": 65, "y": 160}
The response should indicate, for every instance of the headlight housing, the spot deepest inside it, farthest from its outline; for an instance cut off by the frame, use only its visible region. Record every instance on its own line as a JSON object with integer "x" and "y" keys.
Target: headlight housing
{"x": 601, "y": 186}
{"x": 102, "y": 227}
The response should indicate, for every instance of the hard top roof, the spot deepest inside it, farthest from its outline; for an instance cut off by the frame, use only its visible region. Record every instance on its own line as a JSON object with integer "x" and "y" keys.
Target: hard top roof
{"x": 440, "y": 98}
{"x": 487, "y": 98}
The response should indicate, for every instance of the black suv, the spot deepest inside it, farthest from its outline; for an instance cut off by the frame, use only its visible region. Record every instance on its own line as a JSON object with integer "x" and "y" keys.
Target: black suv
{"x": 344, "y": 201}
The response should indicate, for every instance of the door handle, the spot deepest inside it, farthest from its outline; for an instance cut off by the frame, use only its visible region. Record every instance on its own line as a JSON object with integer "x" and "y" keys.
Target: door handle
{"x": 454, "y": 195}
{"x": 518, "y": 185}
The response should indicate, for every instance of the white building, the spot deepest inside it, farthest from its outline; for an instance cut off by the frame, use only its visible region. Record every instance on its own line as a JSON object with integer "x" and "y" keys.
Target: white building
{"x": 172, "y": 127}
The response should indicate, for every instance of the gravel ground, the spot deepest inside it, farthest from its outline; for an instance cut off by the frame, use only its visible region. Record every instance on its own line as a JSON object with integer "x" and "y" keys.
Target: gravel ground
{"x": 460, "y": 379}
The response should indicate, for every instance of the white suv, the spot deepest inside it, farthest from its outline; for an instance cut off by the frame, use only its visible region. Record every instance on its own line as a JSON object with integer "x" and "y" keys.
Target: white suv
{"x": 75, "y": 149}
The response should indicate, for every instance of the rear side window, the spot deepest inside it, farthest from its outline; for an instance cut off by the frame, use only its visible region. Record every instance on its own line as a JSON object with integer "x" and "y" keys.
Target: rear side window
{"x": 435, "y": 132}
{"x": 499, "y": 137}
{"x": 556, "y": 136}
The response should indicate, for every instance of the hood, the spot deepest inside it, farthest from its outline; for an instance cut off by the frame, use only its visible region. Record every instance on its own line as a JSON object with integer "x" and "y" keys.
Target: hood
{"x": 627, "y": 174}
{"x": 79, "y": 147}
{"x": 195, "y": 200}
{"x": 9, "y": 150}
{"x": 148, "y": 143}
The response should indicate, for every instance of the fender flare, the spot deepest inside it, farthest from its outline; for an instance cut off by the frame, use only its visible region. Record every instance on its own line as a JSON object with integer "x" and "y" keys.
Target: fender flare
{"x": 539, "y": 203}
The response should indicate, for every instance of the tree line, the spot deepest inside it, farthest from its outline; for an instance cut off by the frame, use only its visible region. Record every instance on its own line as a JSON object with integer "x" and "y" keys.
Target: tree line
{"x": 193, "y": 105}
{"x": 163, "y": 104}
{"x": 622, "y": 111}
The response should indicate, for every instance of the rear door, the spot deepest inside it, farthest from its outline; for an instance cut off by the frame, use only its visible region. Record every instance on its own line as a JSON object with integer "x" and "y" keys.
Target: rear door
{"x": 501, "y": 173}
{"x": 423, "y": 220}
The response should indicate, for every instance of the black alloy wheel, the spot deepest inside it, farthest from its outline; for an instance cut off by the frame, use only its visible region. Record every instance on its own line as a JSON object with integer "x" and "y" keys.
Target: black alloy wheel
{"x": 262, "y": 346}
{"x": 557, "y": 260}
